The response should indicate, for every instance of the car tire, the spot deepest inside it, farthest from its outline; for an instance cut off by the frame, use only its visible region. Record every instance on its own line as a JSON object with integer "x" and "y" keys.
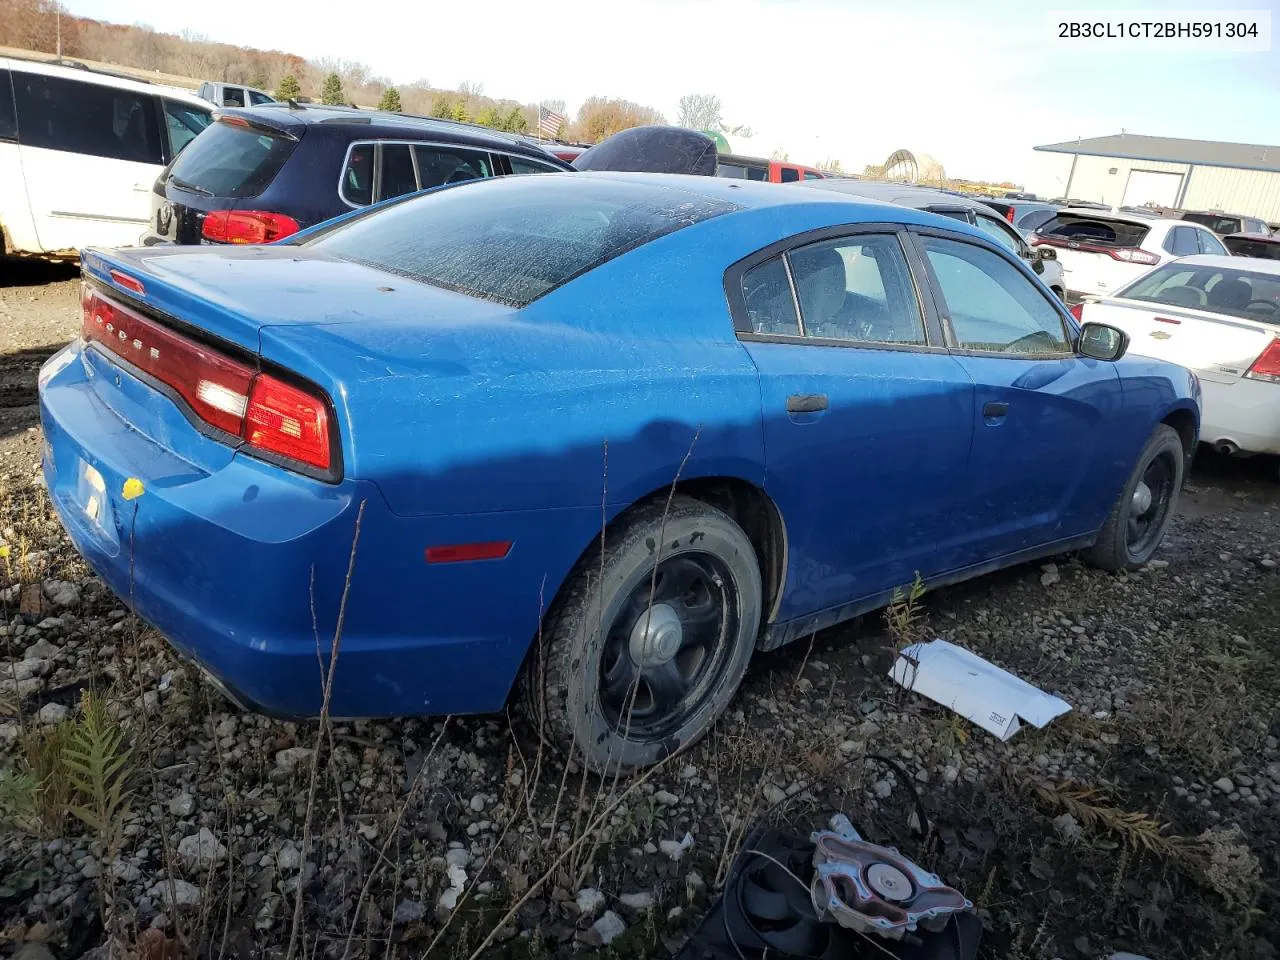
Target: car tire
{"x": 1136, "y": 525}
{"x": 613, "y": 628}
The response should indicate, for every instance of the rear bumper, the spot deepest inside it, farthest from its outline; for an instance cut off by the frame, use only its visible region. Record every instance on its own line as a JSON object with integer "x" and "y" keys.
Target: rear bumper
{"x": 242, "y": 568}
{"x": 1245, "y": 413}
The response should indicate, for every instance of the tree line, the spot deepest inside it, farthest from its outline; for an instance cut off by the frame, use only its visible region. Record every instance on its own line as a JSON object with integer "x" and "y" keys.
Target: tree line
{"x": 34, "y": 25}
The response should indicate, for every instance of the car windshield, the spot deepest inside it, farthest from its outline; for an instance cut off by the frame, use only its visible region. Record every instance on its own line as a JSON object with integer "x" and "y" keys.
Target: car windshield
{"x": 1096, "y": 231}
{"x": 1253, "y": 247}
{"x": 514, "y": 239}
{"x": 1232, "y": 292}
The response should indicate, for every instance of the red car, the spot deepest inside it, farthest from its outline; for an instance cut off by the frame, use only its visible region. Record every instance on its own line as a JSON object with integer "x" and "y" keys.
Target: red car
{"x": 756, "y": 168}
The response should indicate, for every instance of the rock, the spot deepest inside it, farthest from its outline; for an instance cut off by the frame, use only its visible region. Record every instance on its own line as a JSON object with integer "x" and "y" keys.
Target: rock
{"x": 666, "y": 798}
{"x": 458, "y": 857}
{"x": 478, "y": 802}
{"x": 1225, "y": 784}
{"x": 91, "y": 869}
{"x": 922, "y": 775}
{"x": 53, "y": 713}
{"x": 637, "y": 901}
{"x": 409, "y": 911}
{"x": 448, "y": 900}
{"x": 31, "y": 602}
{"x": 200, "y": 851}
{"x": 183, "y": 805}
{"x": 42, "y": 649}
{"x": 1157, "y": 564}
{"x": 949, "y": 774}
{"x": 882, "y": 788}
{"x": 689, "y": 772}
{"x": 226, "y": 727}
{"x": 773, "y": 794}
{"x": 291, "y": 758}
{"x": 288, "y": 857}
{"x": 28, "y": 668}
{"x": 608, "y": 928}
{"x": 33, "y": 951}
{"x": 62, "y": 593}
{"x": 1050, "y": 576}
{"x": 675, "y": 849}
{"x": 694, "y": 883}
{"x": 183, "y": 893}
{"x": 590, "y": 901}
{"x": 1067, "y": 827}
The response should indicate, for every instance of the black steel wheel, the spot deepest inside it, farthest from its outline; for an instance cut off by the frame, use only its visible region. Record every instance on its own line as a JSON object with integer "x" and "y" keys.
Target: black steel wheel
{"x": 1138, "y": 521}
{"x": 645, "y": 649}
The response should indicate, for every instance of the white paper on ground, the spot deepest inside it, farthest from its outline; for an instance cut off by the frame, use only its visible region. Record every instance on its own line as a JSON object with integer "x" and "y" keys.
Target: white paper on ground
{"x": 979, "y": 691}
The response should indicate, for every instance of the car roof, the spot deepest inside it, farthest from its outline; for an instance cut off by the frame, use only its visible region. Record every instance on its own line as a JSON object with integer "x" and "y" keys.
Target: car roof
{"x": 903, "y": 194}
{"x": 74, "y": 70}
{"x": 1249, "y": 264}
{"x": 383, "y": 124}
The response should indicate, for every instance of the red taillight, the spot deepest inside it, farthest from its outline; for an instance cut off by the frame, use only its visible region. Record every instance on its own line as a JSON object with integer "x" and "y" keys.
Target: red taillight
{"x": 1077, "y": 311}
{"x": 247, "y": 226}
{"x": 1267, "y": 366}
{"x": 1132, "y": 255}
{"x": 287, "y": 421}
{"x": 263, "y": 411}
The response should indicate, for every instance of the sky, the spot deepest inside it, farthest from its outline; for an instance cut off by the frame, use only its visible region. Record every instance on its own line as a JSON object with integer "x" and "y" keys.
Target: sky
{"x": 975, "y": 85}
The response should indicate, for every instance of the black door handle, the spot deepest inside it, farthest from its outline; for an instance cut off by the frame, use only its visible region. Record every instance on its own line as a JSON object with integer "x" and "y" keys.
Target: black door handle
{"x": 995, "y": 409}
{"x": 806, "y": 402}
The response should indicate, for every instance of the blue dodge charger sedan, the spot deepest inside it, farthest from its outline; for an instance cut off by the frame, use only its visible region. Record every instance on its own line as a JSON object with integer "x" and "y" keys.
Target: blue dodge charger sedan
{"x": 617, "y": 431}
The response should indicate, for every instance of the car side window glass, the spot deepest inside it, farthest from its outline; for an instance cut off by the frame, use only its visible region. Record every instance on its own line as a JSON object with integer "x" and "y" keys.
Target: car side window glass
{"x": 183, "y": 122}
{"x": 524, "y": 165}
{"x": 233, "y": 96}
{"x": 257, "y": 99}
{"x": 1210, "y": 244}
{"x": 810, "y": 175}
{"x": 999, "y": 234}
{"x": 357, "y": 176}
{"x": 992, "y": 306}
{"x": 790, "y": 174}
{"x": 397, "y": 177}
{"x": 770, "y": 306}
{"x": 1035, "y": 219}
{"x": 441, "y": 165}
{"x": 857, "y": 288}
{"x": 8, "y": 115}
{"x": 1184, "y": 242}
{"x": 87, "y": 118}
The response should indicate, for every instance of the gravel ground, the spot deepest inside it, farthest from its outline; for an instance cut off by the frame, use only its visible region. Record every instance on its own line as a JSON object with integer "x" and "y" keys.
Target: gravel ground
{"x": 1147, "y": 819}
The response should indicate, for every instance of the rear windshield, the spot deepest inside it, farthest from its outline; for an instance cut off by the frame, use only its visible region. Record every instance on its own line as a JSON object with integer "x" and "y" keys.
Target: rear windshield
{"x": 1230, "y": 291}
{"x": 231, "y": 160}
{"x": 1245, "y": 247}
{"x": 1215, "y": 222}
{"x": 513, "y": 239}
{"x": 1094, "y": 230}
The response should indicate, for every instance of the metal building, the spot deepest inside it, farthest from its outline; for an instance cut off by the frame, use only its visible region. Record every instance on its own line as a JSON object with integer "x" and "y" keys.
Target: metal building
{"x": 1127, "y": 169}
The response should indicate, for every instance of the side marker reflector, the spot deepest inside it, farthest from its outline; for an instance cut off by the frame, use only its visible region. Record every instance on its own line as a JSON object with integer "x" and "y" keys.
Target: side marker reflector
{"x": 462, "y": 552}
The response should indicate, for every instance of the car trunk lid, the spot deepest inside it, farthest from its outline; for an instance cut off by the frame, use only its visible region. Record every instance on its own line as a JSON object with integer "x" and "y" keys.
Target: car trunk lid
{"x": 1218, "y": 348}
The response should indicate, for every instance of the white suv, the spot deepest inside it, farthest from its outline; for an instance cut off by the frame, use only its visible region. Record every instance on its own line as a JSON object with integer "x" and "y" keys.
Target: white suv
{"x": 1101, "y": 252}
{"x": 79, "y": 152}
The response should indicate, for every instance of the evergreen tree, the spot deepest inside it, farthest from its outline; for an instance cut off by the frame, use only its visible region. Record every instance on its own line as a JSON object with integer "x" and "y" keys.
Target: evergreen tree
{"x": 390, "y": 100}
{"x": 515, "y": 121}
{"x": 288, "y": 88}
{"x": 331, "y": 93}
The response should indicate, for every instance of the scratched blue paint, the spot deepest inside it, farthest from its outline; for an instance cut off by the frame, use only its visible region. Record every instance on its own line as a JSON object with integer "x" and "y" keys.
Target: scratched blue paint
{"x": 463, "y": 420}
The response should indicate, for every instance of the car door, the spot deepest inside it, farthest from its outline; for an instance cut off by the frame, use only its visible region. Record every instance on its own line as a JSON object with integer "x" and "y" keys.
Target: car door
{"x": 867, "y": 418}
{"x": 1041, "y": 410}
{"x": 90, "y": 153}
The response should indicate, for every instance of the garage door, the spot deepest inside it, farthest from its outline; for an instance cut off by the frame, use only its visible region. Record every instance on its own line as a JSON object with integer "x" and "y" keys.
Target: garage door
{"x": 1147, "y": 186}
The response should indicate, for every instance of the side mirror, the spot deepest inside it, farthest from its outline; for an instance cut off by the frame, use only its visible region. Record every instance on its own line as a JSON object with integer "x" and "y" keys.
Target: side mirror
{"x": 1046, "y": 253}
{"x": 1101, "y": 342}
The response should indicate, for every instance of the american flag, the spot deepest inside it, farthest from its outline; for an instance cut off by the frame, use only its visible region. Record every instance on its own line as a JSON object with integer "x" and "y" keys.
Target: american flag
{"x": 549, "y": 122}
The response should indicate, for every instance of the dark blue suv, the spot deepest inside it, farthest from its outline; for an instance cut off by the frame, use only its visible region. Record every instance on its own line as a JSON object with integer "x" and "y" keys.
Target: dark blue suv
{"x": 261, "y": 173}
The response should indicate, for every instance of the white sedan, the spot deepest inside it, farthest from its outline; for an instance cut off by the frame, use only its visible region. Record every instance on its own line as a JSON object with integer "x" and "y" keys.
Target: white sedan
{"x": 1220, "y": 317}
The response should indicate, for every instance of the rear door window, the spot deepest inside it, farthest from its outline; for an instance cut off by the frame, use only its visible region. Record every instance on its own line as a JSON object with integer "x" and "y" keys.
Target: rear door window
{"x": 357, "y": 176}
{"x": 397, "y": 176}
{"x": 232, "y": 160}
{"x": 1181, "y": 242}
{"x": 441, "y": 165}
{"x": 790, "y": 174}
{"x": 857, "y": 289}
{"x": 770, "y": 306}
{"x": 992, "y": 306}
{"x": 182, "y": 123}
{"x": 8, "y": 115}
{"x": 525, "y": 165}
{"x": 233, "y": 97}
{"x": 56, "y": 113}
{"x": 257, "y": 99}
